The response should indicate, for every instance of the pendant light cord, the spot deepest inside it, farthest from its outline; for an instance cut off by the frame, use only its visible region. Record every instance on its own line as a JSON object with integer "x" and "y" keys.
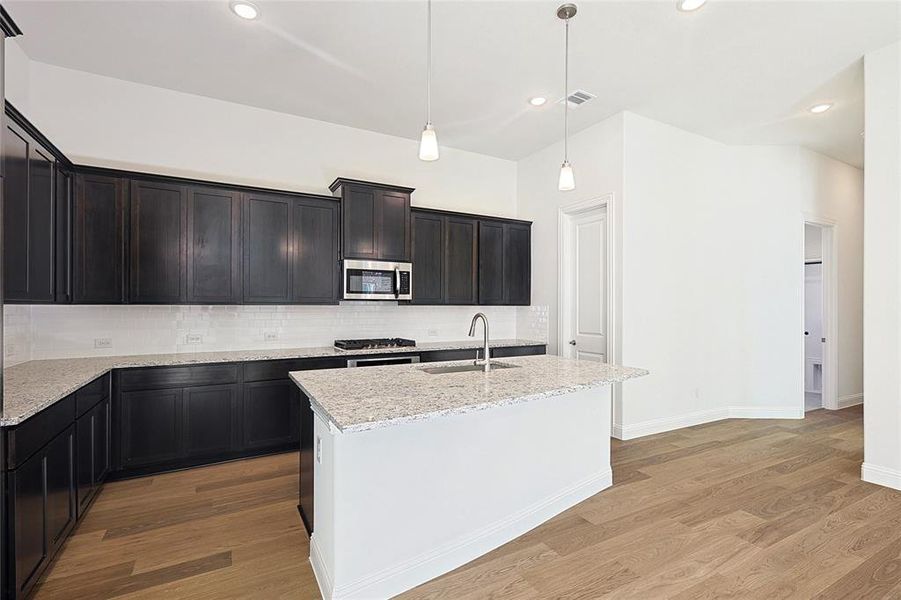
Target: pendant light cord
{"x": 565, "y": 90}
{"x": 429, "y": 66}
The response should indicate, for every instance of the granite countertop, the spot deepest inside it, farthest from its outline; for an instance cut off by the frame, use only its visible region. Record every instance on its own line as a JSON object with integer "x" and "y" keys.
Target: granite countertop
{"x": 364, "y": 399}
{"x": 32, "y": 386}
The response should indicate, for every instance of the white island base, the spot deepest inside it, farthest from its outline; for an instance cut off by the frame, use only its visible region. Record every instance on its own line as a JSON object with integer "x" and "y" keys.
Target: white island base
{"x": 397, "y": 506}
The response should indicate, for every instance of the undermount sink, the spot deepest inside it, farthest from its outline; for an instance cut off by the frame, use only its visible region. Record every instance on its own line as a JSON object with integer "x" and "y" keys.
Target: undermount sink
{"x": 465, "y": 368}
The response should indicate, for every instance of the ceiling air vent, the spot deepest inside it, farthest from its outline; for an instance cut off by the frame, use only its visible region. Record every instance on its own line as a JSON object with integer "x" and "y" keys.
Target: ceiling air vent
{"x": 578, "y": 98}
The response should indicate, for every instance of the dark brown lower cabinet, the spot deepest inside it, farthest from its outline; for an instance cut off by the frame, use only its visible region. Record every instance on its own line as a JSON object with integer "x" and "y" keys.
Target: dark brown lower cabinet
{"x": 41, "y": 510}
{"x": 270, "y": 413}
{"x": 210, "y": 419}
{"x": 92, "y": 441}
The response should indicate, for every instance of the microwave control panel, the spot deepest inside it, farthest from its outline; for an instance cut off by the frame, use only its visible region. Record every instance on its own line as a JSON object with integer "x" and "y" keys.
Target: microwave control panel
{"x": 404, "y": 283}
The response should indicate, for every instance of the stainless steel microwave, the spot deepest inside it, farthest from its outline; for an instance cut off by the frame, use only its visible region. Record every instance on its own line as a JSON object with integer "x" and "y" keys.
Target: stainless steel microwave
{"x": 377, "y": 280}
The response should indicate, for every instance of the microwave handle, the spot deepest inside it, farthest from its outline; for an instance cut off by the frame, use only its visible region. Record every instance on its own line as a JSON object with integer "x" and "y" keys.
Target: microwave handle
{"x": 396, "y": 282}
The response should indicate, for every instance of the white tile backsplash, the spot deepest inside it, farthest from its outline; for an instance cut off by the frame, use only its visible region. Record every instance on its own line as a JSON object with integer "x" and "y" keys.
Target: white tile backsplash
{"x": 59, "y": 331}
{"x": 16, "y": 334}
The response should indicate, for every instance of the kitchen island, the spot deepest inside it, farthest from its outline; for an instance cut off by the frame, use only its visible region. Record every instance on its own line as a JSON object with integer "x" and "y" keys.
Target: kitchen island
{"x": 421, "y": 468}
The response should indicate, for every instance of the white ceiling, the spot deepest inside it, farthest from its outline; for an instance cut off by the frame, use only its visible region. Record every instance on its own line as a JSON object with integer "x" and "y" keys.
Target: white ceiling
{"x": 740, "y": 72}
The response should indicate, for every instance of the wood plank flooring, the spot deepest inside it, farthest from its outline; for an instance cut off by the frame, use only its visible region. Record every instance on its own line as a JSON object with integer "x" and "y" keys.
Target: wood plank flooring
{"x": 734, "y": 509}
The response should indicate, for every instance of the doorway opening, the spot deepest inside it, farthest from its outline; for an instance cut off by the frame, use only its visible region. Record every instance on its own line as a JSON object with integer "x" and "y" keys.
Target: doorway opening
{"x": 819, "y": 316}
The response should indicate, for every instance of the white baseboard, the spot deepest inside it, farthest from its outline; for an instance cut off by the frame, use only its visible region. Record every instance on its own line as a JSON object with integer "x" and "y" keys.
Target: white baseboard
{"x": 410, "y": 573}
{"x": 850, "y": 400}
{"x": 637, "y": 430}
{"x": 320, "y": 570}
{"x": 881, "y": 476}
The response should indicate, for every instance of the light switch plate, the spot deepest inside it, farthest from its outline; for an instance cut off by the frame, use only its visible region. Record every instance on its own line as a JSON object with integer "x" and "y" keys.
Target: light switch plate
{"x": 193, "y": 338}
{"x": 270, "y": 336}
{"x": 103, "y": 342}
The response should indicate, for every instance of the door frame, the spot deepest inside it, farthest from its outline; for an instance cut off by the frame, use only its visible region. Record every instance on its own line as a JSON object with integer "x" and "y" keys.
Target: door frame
{"x": 565, "y": 252}
{"x": 829, "y": 252}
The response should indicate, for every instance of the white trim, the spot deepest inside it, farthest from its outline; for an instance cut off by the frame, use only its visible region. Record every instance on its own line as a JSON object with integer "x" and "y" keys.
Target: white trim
{"x": 405, "y": 575}
{"x": 850, "y": 400}
{"x": 323, "y": 578}
{"x": 829, "y": 228}
{"x": 654, "y": 426}
{"x": 564, "y": 264}
{"x": 881, "y": 476}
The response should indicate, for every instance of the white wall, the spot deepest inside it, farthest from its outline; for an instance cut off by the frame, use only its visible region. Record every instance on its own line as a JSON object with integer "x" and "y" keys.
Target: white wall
{"x": 882, "y": 278}
{"x": 832, "y": 191}
{"x": 710, "y": 285}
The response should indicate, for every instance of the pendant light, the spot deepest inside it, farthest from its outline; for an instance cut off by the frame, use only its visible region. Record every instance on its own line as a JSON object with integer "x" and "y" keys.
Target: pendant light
{"x": 567, "y": 179}
{"x": 428, "y": 143}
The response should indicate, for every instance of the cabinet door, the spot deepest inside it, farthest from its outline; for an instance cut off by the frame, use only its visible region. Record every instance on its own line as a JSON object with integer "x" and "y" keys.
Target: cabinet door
{"x": 29, "y": 522}
{"x": 461, "y": 261}
{"x": 270, "y": 413}
{"x": 517, "y": 264}
{"x": 151, "y": 429}
{"x": 214, "y": 246}
{"x": 60, "y": 503}
{"x": 65, "y": 190}
{"x": 157, "y": 243}
{"x": 84, "y": 461}
{"x": 210, "y": 419}
{"x": 267, "y": 252}
{"x": 491, "y": 262}
{"x": 360, "y": 218}
{"x": 393, "y": 212}
{"x": 100, "y": 417}
{"x": 428, "y": 258}
{"x": 99, "y": 267}
{"x": 28, "y": 219}
{"x": 315, "y": 258}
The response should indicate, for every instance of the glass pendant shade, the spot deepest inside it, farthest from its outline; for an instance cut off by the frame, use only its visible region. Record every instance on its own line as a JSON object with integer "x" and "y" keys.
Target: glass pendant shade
{"x": 567, "y": 179}
{"x": 428, "y": 143}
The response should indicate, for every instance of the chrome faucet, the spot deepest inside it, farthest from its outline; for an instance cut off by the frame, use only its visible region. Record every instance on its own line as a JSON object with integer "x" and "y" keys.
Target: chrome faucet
{"x": 486, "y": 353}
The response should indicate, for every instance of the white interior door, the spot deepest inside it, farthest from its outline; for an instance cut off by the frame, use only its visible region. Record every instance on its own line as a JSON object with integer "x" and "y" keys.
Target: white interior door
{"x": 588, "y": 286}
{"x": 813, "y": 327}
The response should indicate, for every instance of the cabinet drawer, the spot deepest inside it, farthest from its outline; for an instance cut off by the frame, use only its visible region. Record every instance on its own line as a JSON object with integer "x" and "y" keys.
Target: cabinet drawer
{"x": 173, "y": 377}
{"x": 269, "y": 370}
{"x": 441, "y": 355}
{"x": 88, "y": 396}
{"x": 30, "y": 436}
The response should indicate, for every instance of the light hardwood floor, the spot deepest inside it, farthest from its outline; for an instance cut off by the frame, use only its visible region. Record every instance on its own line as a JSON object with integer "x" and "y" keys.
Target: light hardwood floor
{"x": 734, "y": 509}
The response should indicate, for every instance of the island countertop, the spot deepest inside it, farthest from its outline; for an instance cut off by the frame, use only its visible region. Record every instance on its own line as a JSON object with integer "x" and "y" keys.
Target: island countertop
{"x": 34, "y": 385}
{"x": 372, "y": 397}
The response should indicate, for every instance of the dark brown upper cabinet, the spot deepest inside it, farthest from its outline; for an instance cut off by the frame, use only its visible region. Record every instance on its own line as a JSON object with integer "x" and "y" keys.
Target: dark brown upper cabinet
{"x": 445, "y": 258}
{"x": 376, "y": 220}
{"x": 28, "y": 218}
{"x": 316, "y": 273}
{"x": 267, "y": 248}
{"x": 505, "y": 262}
{"x": 157, "y": 247}
{"x": 98, "y": 269}
{"x": 65, "y": 198}
{"x": 214, "y": 246}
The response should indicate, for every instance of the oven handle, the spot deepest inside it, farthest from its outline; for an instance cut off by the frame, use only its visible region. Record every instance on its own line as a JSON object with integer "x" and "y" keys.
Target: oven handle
{"x": 359, "y": 362}
{"x": 396, "y": 282}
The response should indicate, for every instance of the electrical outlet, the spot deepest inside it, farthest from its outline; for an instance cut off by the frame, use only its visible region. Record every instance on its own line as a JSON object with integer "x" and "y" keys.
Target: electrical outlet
{"x": 11, "y": 349}
{"x": 432, "y": 333}
{"x": 270, "y": 336}
{"x": 103, "y": 342}
{"x": 318, "y": 450}
{"x": 193, "y": 338}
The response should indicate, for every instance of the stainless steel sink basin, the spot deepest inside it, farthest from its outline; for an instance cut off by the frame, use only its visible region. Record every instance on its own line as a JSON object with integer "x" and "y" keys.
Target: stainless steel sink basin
{"x": 465, "y": 368}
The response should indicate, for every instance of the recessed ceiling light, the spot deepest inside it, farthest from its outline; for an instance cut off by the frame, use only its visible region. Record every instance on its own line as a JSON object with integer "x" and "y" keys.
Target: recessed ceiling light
{"x": 245, "y": 10}
{"x": 690, "y": 5}
{"x": 537, "y": 100}
{"x": 820, "y": 108}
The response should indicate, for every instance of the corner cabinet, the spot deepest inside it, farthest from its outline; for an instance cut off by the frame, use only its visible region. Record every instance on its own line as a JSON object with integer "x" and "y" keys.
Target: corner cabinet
{"x": 98, "y": 270}
{"x": 505, "y": 263}
{"x": 376, "y": 220}
{"x": 29, "y": 214}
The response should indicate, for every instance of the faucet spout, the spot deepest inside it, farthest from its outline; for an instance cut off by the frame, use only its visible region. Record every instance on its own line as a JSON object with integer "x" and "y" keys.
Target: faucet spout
{"x": 486, "y": 352}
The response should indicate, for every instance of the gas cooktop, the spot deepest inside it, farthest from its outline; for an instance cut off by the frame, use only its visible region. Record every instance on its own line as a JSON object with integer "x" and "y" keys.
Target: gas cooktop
{"x": 374, "y": 343}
